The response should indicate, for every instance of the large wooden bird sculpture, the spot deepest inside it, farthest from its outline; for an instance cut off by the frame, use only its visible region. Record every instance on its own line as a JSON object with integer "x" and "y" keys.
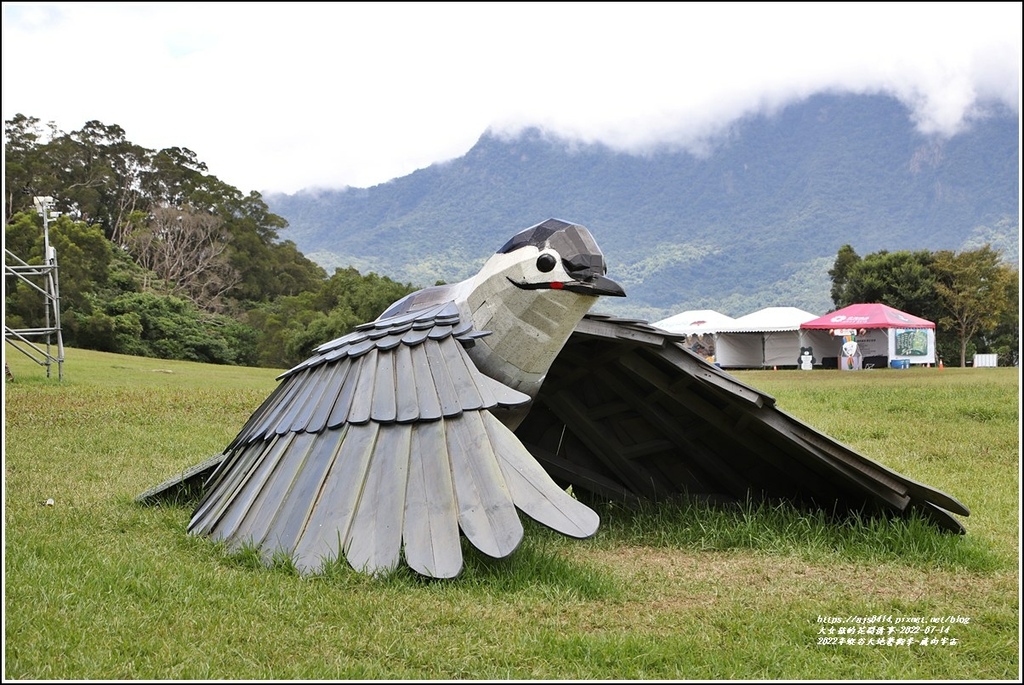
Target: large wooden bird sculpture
{"x": 462, "y": 405}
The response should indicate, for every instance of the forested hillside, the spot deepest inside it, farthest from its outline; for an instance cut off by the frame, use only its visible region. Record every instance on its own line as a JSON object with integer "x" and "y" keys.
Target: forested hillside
{"x": 756, "y": 222}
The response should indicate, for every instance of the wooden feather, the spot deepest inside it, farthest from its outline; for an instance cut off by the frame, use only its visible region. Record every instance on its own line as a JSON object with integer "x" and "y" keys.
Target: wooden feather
{"x": 487, "y": 514}
{"x": 431, "y": 531}
{"x": 532, "y": 489}
{"x": 374, "y": 541}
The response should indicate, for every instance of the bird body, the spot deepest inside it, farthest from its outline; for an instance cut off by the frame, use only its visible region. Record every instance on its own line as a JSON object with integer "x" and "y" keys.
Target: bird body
{"x": 399, "y": 435}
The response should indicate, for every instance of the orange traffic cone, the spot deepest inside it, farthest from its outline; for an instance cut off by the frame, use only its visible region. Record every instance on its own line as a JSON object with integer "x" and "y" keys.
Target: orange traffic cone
{"x": 940, "y": 365}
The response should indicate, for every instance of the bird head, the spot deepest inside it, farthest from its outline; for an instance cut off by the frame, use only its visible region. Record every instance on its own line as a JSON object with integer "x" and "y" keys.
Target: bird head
{"x": 531, "y": 295}
{"x": 555, "y": 255}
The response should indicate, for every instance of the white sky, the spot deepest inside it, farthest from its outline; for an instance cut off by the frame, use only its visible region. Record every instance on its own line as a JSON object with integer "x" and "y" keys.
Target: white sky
{"x": 281, "y": 96}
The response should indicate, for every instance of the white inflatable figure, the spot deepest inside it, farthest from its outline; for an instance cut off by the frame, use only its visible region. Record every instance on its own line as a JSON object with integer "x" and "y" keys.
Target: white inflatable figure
{"x": 852, "y": 358}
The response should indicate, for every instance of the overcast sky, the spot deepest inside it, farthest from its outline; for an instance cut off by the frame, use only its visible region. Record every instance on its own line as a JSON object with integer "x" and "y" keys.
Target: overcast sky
{"x": 277, "y": 97}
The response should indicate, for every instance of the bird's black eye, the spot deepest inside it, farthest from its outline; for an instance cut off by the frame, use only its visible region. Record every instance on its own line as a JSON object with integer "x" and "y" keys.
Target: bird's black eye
{"x": 546, "y": 262}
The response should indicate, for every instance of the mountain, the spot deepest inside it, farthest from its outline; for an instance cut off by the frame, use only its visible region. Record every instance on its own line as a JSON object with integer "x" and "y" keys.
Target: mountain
{"x": 756, "y": 221}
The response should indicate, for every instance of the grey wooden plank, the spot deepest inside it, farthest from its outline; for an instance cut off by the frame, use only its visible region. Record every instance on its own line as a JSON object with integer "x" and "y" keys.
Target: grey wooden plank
{"x": 384, "y": 407}
{"x": 791, "y": 472}
{"x": 896, "y": 481}
{"x": 439, "y": 332}
{"x": 267, "y": 502}
{"x": 320, "y": 384}
{"x": 503, "y": 395}
{"x": 362, "y": 400}
{"x": 257, "y": 417}
{"x": 415, "y": 336}
{"x": 232, "y": 505}
{"x": 362, "y": 347}
{"x": 332, "y": 388}
{"x": 719, "y": 471}
{"x": 431, "y": 530}
{"x": 265, "y": 428}
{"x": 374, "y": 542}
{"x": 568, "y": 407}
{"x": 426, "y": 392}
{"x": 185, "y": 483}
{"x": 456, "y": 360}
{"x": 487, "y": 514}
{"x": 308, "y": 389}
{"x": 532, "y": 489}
{"x": 406, "y": 407}
{"x": 443, "y": 385}
{"x": 297, "y": 504}
{"x": 327, "y": 527}
{"x": 390, "y": 341}
{"x": 235, "y": 470}
{"x": 342, "y": 405}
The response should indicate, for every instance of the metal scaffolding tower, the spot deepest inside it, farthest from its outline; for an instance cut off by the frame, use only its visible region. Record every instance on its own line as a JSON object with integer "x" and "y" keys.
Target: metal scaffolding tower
{"x": 36, "y": 343}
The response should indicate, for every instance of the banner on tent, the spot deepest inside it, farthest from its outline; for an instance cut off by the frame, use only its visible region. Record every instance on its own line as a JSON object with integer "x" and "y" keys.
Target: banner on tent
{"x": 911, "y": 342}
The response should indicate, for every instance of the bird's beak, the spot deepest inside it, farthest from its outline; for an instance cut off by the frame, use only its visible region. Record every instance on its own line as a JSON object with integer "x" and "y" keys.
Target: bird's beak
{"x": 593, "y": 284}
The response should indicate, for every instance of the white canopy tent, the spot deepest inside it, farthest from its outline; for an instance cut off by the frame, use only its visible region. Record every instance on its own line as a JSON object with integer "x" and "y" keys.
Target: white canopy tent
{"x": 769, "y": 337}
{"x": 700, "y": 326}
{"x": 696, "y": 321}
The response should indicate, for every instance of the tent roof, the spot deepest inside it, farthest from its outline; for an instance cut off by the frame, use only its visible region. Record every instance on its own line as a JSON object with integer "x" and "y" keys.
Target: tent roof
{"x": 696, "y": 321}
{"x": 770, "y": 319}
{"x": 873, "y": 315}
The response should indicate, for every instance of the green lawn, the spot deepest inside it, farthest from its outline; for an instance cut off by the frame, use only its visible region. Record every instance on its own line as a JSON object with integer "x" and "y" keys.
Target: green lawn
{"x": 99, "y": 587}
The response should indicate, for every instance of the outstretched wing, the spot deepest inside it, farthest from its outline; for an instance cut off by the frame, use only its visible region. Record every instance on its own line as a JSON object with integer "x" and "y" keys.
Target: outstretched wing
{"x": 628, "y": 413}
{"x": 383, "y": 441}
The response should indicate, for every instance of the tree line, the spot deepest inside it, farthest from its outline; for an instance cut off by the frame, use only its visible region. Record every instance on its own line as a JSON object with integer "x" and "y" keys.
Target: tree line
{"x": 160, "y": 258}
{"x": 972, "y": 296}
{"x": 157, "y": 257}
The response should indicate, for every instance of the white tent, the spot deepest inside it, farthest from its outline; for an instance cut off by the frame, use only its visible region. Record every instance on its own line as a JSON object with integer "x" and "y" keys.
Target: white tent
{"x": 696, "y": 321}
{"x": 769, "y": 337}
{"x": 700, "y": 326}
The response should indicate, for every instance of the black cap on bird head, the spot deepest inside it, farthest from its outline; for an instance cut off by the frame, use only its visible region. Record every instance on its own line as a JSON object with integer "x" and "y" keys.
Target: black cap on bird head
{"x": 581, "y": 257}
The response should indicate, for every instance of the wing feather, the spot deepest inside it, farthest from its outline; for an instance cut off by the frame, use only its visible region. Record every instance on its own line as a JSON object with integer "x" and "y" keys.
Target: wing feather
{"x": 426, "y": 392}
{"x": 270, "y": 492}
{"x": 230, "y": 475}
{"x": 487, "y": 514}
{"x": 292, "y": 513}
{"x": 328, "y": 525}
{"x": 431, "y": 531}
{"x": 532, "y": 489}
{"x": 362, "y": 400}
{"x": 406, "y": 407}
{"x": 374, "y": 542}
{"x": 381, "y": 443}
{"x": 332, "y": 389}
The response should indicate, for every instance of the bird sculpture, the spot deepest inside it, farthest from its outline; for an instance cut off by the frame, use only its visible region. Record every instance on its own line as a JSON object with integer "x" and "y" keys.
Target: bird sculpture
{"x": 462, "y": 405}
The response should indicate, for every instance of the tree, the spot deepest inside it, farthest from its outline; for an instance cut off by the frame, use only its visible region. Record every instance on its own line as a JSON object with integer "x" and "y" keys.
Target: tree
{"x": 902, "y": 279}
{"x": 846, "y": 259}
{"x": 974, "y": 290}
{"x": 186, "y": 249}
{"x": 27, "y": 172}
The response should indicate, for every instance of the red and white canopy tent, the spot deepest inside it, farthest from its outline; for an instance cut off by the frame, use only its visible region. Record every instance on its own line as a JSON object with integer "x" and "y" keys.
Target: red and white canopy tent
{"x": 881, "y": 331}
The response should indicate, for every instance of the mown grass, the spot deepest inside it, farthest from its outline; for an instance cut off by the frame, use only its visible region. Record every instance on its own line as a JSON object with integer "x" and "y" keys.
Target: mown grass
{"x": 99, "y": 587}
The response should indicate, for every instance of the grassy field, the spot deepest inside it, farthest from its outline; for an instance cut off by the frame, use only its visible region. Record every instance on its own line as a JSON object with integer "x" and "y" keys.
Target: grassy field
{"x": 99, "y": 587}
